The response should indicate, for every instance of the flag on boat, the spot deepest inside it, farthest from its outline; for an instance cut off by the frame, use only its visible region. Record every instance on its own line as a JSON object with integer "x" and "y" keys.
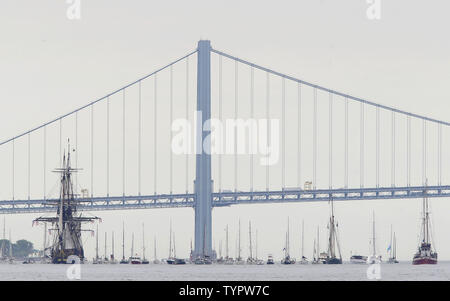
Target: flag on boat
{"x": 389, "y": 248}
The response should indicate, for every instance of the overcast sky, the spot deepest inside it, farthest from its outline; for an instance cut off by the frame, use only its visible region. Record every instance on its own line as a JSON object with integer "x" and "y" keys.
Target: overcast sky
{"x": 50, "y": 65}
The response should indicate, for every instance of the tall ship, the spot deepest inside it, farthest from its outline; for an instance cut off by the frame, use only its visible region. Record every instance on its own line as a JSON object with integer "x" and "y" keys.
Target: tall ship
{"x": 287, "y": 257}
{"x": 373, "y": 258}
{"x": 66, "y": 225}
{"x": 425, "y": 253}
{"x": 333, "y": 241}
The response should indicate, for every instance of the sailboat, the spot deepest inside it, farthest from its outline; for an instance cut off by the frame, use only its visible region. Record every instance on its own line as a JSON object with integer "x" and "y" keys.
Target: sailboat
{"x": 173, "y": 258}
{"x": 228, "y": 259}
{"x": 373, "y": 258}
{"x": 134, "y": 259}
{"x": 123, "y": 261}
{"x": 112, "y": 259}
{"x": 250, "y": 259}
{"x": 144, "y": 261}
{"x": 333, "y": 241}
{"x": 316, "y": 252}
{"x": 97, "y": 258}
{"x": 106, "y": 260}
{"x": 425, "y": 254}
{"x": 238, "y": 257}
{"x": 393, "y": 249}
{"x": 304, "y": 260}
{"x": 287, "y": 258}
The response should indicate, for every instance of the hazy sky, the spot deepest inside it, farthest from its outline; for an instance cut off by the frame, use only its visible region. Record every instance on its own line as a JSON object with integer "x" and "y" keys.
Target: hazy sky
{"x": 50, "y": 65}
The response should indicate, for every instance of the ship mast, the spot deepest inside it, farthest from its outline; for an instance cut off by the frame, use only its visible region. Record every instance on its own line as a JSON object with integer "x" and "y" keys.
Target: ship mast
{"x": 250, "y": 237}
{"x": 123, "y": 240}
{"x": 226, "y": 242}
{"x": 143, "y": 242}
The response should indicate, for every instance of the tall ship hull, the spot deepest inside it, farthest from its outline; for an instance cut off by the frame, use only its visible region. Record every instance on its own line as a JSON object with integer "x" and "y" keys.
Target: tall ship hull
{"x": 424, "y": 260}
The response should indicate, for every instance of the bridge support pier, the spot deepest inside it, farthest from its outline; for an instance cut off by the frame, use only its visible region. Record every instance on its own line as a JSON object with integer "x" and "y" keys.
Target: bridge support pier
{"x": 203, "y": 181}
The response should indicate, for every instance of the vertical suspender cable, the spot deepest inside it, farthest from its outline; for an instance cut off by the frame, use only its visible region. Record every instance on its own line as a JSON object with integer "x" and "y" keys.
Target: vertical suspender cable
{"x": 299, "y": 137}
{"x": 252, "y": 130}
{"x": 60, "y": 142}
{"x": 45, "y": 160}
{"x": 315, "y": 140}
{"x": 330, "y": 142}
{"x": 13, "y": 167}
{"x": 92, "y": 151}
{"x": 393, "y": 151}
{"x": 220, "y": 118}
{"x": 123, "y": 144}
{"x": 439, "y": 154}
{"x": 170, "y": 125}
{"x": 268, "y": 123}
{"x": 283, "y": 134}
{"x": 408, "y": 150}
{"x": 76, "y": 151}
{"x": 424, "y": 152}
{"x": 235, "y": 118}
{"x": 378, "y": 146}
{"x": 187, "y": 118}
{"x": 346, "y": 145}
{"x": 139, "y": 140}
{"x": 361, "y": 147}
{"x": 155, "y": 134}
{"x": 107, "y": 147}
{"x": 29, "y": 162}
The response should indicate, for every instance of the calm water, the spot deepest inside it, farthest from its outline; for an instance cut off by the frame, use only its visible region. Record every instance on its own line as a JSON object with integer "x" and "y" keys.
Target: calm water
{"x": 401, "y": 271}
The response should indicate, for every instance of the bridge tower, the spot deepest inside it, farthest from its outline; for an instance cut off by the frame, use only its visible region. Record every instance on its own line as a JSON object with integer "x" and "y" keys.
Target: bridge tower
{"x": 203, "y": 181}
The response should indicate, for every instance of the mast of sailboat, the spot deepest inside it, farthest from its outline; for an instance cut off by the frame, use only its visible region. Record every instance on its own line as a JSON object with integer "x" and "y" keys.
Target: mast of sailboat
{"x": 331, "y": 251}
{"x": 132, "y": 244}
{"x": 250, "y": 237}
{"x": 112, "y": 245}
{"x": 256, "y": 245}
{"x": 123, "y": 240}
{"x": 394, "y": 252}
{"x": 10, "y": 245}
{"x": 373, "y": 235}
{"x": 174, "y": 249}
{"x": 239, "y": 241}
{"x": 106, "y": 254}
{"x": 303, "y": 234}
{"x": 96, "y": 244}
{"x": 318, "y": 245}
{"x": 143, "y": 242}
{"x": 226, "y": 242}
{"x": 170, "y": 239}
{"x": 154, "y": 242}
{"x": 45, "y": 240}
{"x": 391, "y": 246}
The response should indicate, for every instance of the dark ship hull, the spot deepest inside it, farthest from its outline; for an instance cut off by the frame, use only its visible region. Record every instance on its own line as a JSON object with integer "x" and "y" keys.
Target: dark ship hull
{"x": 62, "y": 256}
{"x": 424, "y": 260}
{"x": 332, "y": 261}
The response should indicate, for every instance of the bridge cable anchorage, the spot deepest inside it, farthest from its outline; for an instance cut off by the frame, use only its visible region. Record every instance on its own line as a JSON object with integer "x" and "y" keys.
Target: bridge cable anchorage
{"x": 107, "y": 146}
{"x": 187, "y": 118}
{"x": 139, "y": 139}
{"x": 315, "y": 140}
{"x": 329, "y": 90}
{"x": 299, "y": 135}
{"x": 98, "y": 100}
{"x": 268, "y": 124}
{"x": 361, "y": 147}
{"x": 155, "y": 133}
{"x": 346, "y": 145}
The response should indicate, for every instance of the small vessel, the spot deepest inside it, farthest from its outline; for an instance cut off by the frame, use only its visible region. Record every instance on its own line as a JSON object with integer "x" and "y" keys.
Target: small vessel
{"x": 134, "y": 259}
{"x": 144, "y": 261}
{"x": 393, "y": 249}
{"x": 358, "y": 259}
{"x": 227, "y": 260}
{"x": 287, "y": 258}
{"x": 106, "y": 259}
{"x": 239, "y": 259}
{"x": 172, "y": 259}
{"x": 425, "y": 253}
{"x": 316, "y": 252}
{"x": 270, "y": 259}
{"x": 123, "y": 260}
{"x": 112, "y": 259}
{"x": 97, "y": 259}
{"x": 373, "y": 258}
{"x": 250, "y": 259}
{"x": 333, "y": 241}
{"x": 304, "y": 260}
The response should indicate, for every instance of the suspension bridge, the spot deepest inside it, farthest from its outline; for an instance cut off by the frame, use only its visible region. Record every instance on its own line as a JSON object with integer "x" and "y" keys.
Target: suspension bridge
{"x": 333, "y": 146}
